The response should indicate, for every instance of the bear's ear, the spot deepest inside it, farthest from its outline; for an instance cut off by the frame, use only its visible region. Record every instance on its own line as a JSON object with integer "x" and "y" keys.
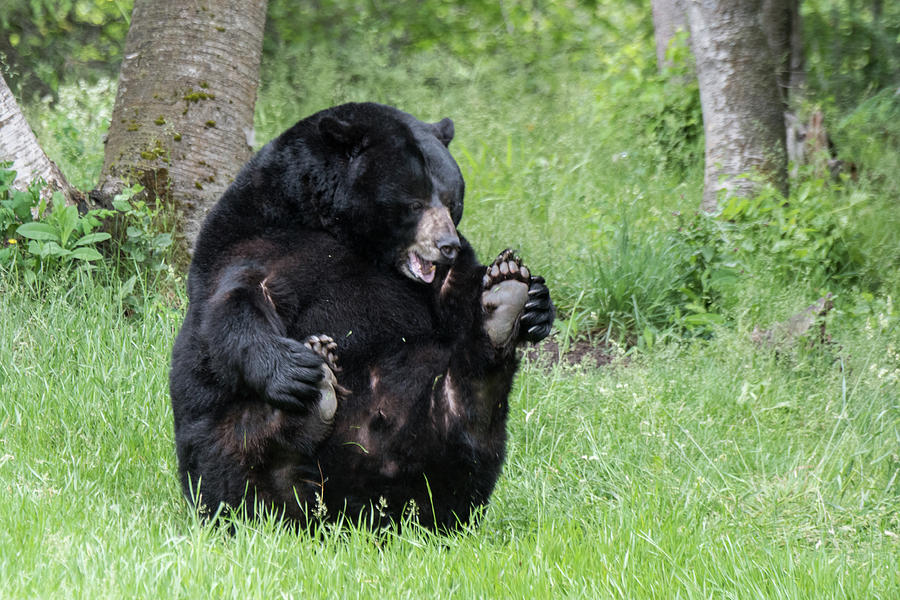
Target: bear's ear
{"x": 443, "y": 130}
{"x": 338, "y": 131}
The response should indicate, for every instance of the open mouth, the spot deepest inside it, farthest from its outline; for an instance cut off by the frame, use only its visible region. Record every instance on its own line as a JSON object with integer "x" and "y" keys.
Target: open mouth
{"x": 420, "y": 268}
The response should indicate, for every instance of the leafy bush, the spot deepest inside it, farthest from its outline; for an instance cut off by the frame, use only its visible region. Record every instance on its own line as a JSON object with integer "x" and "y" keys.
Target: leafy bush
{"x": 60, "y": 238}
{"x": 709, "y": 266}
{"x": 806, "y": 236}
{"x": 670, "y": 111}
{"x": 147, "y": 240}
{"x": 63, "y": 235}
{"x": 57, "y": 239}
{"x": 809, "y": 237}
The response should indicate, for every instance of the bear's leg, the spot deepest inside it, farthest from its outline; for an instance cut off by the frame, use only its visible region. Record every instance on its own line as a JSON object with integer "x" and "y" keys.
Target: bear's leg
{"x": 515, "y": 307}
{"x": 247, "y": 342}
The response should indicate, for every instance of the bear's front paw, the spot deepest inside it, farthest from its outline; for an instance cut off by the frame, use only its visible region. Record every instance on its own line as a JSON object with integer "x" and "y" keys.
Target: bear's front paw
{"x": 505, "y": 293}
{"x": 295, "y": 377}
{"x": 329, "y": 389}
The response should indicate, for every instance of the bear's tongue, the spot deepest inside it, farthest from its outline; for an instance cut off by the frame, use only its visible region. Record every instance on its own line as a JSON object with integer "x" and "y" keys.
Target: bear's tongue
{"x": 421, "y": 268}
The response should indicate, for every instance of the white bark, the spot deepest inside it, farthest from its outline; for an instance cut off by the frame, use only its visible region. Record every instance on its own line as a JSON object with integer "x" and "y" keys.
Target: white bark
{"x": 19, "y": 144}
{"x": 742, "y": 108}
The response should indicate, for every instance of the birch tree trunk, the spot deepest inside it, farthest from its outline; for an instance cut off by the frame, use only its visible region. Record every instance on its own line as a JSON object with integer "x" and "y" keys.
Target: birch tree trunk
{"x": 182, "y": 124}
{"x": 19, "y": 144}
{"x": 742, "y": 108}
{"x": 668, "y": 18}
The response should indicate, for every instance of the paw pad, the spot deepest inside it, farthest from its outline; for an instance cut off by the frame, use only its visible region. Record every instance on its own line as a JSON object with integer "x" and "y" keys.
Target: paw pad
{"x": 507, "y": 266}
{"x": 506, "y": 283}
{"x": 325, "y": 347}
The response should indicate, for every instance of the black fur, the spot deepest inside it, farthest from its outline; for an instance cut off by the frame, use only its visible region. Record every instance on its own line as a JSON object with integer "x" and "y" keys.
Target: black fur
{"x": 306, "y": 241}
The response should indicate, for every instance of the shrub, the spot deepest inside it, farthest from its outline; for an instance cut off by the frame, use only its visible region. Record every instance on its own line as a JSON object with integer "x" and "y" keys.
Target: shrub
{"x": 58, "y": 238}
{"x": 41, "y": 239}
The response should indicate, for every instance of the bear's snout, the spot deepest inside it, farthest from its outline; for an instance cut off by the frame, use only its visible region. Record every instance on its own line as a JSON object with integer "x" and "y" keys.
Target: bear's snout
{"x": 436, "y": 235}
{"x": 449, "y": 246}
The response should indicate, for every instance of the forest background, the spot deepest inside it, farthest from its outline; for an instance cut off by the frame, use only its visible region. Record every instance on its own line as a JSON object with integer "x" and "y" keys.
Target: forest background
{"x": 679, "y": 436}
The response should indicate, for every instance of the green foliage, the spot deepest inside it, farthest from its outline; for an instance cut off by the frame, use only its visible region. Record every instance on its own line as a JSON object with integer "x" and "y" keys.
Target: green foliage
{"x": 869, "y": 136}
{"x": 15, "y": 205}
{"x": 709, "y": 268}
{"x": 57, "y": 239}
{"x": 64, "y": 236}
{"x": 806, "y": 236}
{"x": 824, "y": 236}
{"x": 61, "y": 239}
{"x": 73, "y": 126}
{"x": 670, "y": 113}
{"x": 147, "y": 242}
{"x": 478, "y": 27}
{"x": 48, "y": 41}
{"x": 851, "y": 48}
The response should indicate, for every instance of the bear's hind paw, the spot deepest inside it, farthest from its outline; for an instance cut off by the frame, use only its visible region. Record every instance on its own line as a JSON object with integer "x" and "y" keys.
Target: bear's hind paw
{"x": 325, "y": 347}
{"x": 329, "y": 388}
{"x": 505, "y": 292}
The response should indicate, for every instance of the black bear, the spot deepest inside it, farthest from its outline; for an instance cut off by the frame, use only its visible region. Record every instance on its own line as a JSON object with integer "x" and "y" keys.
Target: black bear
{"x": 343, "y": 351}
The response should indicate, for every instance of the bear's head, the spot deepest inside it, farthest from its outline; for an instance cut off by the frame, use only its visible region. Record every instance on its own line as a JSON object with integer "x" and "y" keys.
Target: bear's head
{"x": 399, "y": 193}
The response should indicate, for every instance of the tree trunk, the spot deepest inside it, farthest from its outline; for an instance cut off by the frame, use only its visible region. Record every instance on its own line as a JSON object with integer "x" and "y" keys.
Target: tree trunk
{"x": 797, "y": 79}
{"x": 775, "y": 19}
{"x": 19, "y": 144}
{"x": 182, "y": 124}
{"x": 780, "y": 20}
{"x": 668, "y": 18}
{"x": 742, "y": 108}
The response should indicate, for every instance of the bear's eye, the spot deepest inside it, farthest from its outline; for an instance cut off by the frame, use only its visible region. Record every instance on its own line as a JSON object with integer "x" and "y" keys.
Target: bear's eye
{"x": 416, "y": 207}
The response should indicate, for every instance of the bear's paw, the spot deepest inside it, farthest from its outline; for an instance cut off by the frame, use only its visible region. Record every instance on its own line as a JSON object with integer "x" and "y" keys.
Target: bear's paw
{"x": 329, "y": 388}
{"x": 505, "y": 292}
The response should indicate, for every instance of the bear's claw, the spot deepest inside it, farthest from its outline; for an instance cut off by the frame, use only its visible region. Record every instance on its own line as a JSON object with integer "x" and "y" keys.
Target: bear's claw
{"x": 506, "y": 266}
{"x": 539, "y": 311}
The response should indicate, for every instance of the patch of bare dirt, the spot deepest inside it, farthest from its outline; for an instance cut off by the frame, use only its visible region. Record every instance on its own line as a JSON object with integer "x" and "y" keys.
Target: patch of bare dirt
{"x": 579, "y": 352}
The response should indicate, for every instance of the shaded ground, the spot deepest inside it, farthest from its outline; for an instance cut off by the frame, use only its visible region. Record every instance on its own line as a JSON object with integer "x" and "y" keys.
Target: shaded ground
{"x": 548, "y": 353}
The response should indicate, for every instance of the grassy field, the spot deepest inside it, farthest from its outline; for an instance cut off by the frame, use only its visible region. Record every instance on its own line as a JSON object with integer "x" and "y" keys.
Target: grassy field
{"x": 699, "y": 470}
{"x": 695, "y": 465}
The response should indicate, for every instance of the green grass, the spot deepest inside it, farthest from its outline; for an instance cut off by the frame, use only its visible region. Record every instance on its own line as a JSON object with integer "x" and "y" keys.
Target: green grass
{"x": 694, "y": 466}
{"x": 698, "y": 470}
